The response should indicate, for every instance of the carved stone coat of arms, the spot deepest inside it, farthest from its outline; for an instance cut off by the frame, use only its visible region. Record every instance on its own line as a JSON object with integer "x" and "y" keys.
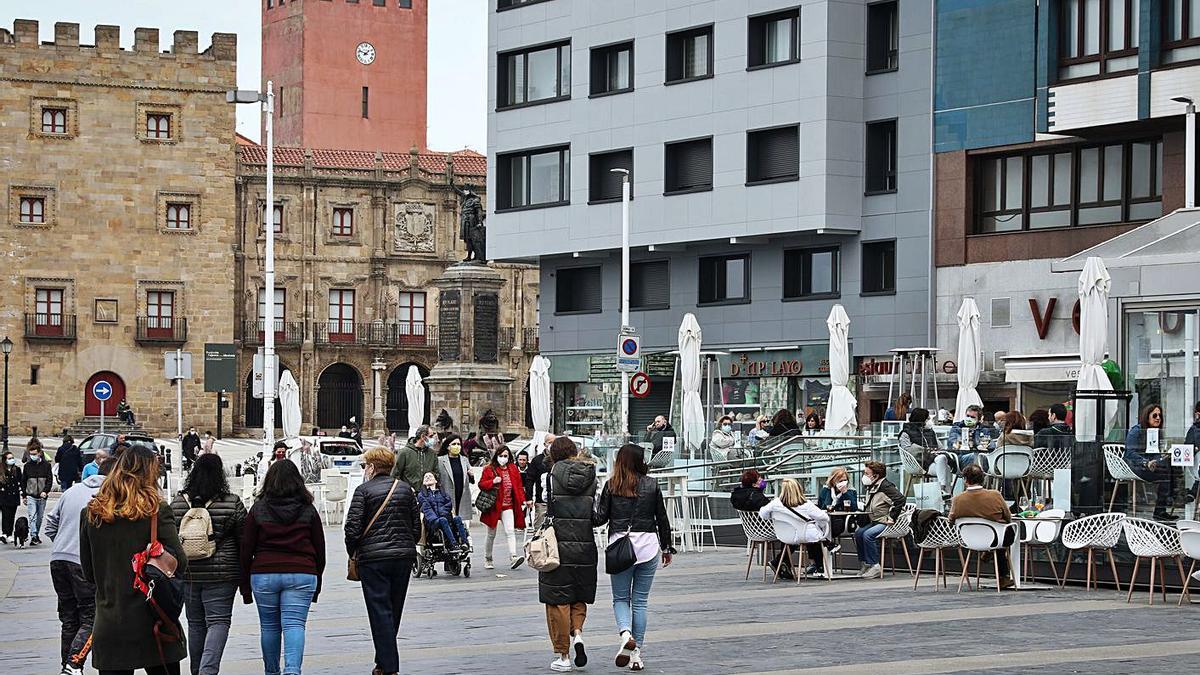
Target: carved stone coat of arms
{"x": 414, "y": 228}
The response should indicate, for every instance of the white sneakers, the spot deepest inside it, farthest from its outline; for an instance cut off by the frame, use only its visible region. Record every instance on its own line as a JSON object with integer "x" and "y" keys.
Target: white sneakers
{"x": 488, "y": 564}
{"x": 580, "y": 652}
{"x": 516, "y": 561}
{"x": 627, "y": 649}
{"x": 636, "y": 663}
{"x": 71, "y": 670}
{"x": 562, "y": 664}
{"x": 873, "y": 572}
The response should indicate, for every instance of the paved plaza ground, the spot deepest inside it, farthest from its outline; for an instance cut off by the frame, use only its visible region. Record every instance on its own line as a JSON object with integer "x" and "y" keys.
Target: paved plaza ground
{"x": 705, "y": 618}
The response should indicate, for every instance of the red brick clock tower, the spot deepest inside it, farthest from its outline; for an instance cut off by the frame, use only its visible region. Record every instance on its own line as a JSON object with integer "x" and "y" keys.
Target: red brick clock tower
{"x": 348, "y": 74}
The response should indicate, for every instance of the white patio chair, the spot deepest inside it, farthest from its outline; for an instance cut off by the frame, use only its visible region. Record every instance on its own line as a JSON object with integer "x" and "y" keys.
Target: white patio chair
{"x": 1187, "y": 525}
{"x": 1156, "y": 541}
{"x": 334, "y": 501}
{"x": 1120, "y": 471}
{"x": 912, "y": 468}
{"x": 1010, "y": 462}
{"x": 1189, "y": 541}
{"x": 702, "y": 520}
{"x": 1045, "y": 461}
{"x": 761, "y": 534}
{"x": 1041, "y": 532}
{"x": 979, "y": 536}
{"x": 1099, "y": 532}
{"x": 896, "y": 532}
{"x": 662, "y": 459}
{"x": 940, "y": 536}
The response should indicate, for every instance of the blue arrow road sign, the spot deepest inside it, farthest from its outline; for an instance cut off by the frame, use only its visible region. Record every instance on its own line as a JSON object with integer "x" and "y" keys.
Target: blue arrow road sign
{"x": 102, "y": 390}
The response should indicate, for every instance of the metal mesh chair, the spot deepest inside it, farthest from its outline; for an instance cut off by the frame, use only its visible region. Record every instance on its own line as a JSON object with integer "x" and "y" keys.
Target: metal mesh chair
{"x": 979, "y": 536}
{"x": 912, "y": 468}
{"x": 1153, "y": 540}
{"x": 940, "y": 536}
{"x": 1101, "y": 532}
{"x": 662, "y": 459}
{"x": 1046, "y": 460}
{"x": 1189, "y": 541}
{"x": 1041, "y": 532}
{"x": 1120, "y": 471}
{"x": 896, "y": 532}
{"x": 761, "y": 534}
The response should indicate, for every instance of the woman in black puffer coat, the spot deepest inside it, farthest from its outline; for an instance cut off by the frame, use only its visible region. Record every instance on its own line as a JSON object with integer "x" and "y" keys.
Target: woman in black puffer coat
{"x": 569, "y": 589}
{"x": 212, "y": 582}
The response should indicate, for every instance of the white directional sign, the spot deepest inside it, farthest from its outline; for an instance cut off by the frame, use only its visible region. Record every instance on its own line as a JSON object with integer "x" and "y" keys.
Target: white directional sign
{"x": 177, "y": 371}
{"x": 102, "y": 390}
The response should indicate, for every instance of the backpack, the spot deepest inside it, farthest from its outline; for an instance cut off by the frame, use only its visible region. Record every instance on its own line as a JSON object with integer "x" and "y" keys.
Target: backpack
{"x": 196, "y": 532}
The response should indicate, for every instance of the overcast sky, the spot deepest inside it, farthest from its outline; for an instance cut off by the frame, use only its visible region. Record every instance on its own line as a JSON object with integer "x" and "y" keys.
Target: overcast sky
{"x": 457, "y": 50}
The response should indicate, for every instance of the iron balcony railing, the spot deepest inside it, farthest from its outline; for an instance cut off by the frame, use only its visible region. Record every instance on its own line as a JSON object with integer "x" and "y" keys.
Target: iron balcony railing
{"x": 286, "y": 332}
{"x": 161, "y": 330}
{"x": 375, "y": 334}
{"x": 53, "y": 327}
{"x": 530, "y": 340}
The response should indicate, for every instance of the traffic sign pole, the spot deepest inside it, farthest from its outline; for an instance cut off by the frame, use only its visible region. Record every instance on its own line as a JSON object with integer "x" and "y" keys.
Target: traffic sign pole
{"x": 102, "y": 416}
{"x": 102, "y": 390}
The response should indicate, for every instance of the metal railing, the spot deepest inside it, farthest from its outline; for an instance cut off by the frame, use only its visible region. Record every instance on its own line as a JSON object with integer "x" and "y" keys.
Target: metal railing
{"x": 286, "y": 332}
{"x": 504, "y": 339}
{"x": 160, "y": 330}
{"x": 375, "y": 334}
{"x": 529, "y": 342}
{"x": 50, "y": 327}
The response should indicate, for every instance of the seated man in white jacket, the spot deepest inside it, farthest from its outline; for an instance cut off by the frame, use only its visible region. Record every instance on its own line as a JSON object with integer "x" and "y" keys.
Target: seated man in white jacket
{"x": 799, "y": 521}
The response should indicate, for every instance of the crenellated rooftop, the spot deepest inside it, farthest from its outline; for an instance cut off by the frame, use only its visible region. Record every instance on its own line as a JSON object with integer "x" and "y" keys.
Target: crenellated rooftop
{"x": 222, "y": 46}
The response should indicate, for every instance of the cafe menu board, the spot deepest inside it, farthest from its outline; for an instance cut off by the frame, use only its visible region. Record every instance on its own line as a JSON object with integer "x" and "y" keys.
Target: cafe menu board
{"x": 450, "y": 326}
{"x": 1152, "y": 440}
{"x": 487, "y": 327}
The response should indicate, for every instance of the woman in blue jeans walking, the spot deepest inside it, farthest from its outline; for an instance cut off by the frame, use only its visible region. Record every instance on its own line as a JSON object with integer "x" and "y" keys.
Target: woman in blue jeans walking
{"x": 884, "y": 503}
{"x": 282, "y": 559}
{"x": 632, "y": 505}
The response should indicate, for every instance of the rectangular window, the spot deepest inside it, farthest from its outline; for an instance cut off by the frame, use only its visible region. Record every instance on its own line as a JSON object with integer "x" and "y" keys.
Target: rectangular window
{"x": 277, "y": 218}
{"x": 577, "y": 290}
{"x": 412, "y": 317}
{"x": 379, "y": 3}
{"x": 810, "y": 273}
{"x": 33, "y": 210}
{"x": 179, "y": 216}
{"x": 773, "y": 155}
{"x": 650, "y": 285}
{"x": 405, "y": 4}
{"x": 160, "y": 313}
{"x": 1098, "y": 37}
{"x": 689, "y": 166}
{"x": 33, "y": 374}
{"x": 1065, "y": 187}
{"x": 366, "y": 102}
{"x": 883, "y": 37}
{"x": 534, "y": 178}
{"x": 341, "y": 315}
{"x": 54, "y": 120}
{"x": 774, "y": 38}
{"x": 689, "y": 54}
{"x": 612, "y": 69}
{"x": 537, "y": 74}
{"x": 725, "y": 279}
{"x": 158, "y": 126}
{"x": 879, "y": 266}
{"x": 881, "y": 156}
{"x": 48, "y": 311}
{"x": 1182, "y": 24}
{"x": 604, "y": 184}
{"x": 343, "y": 222}
{"x": 280, "y": 311}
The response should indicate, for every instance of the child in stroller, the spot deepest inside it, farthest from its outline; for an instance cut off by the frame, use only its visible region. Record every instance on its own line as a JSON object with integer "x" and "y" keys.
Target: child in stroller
{"x": 446, "y": 539}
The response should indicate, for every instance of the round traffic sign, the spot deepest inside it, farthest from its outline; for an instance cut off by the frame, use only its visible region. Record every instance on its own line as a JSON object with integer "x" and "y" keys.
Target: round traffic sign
{"x": 629, "y": 346}
{"x": 639, "y": 385}
{"x": 102, "y": 390}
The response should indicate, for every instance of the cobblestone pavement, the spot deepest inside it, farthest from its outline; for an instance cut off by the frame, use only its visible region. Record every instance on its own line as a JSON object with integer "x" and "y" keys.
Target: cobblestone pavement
{"x": 705, "y": 618}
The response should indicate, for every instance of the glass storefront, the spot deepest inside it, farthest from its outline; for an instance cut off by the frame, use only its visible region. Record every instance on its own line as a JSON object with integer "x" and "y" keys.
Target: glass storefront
{"x": 1160, "y": 363}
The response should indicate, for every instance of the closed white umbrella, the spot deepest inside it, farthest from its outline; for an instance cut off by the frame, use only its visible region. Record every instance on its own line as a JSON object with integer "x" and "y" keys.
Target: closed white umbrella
{"x": 414, "y": 389}
{"x": 970, "y": 358}
{"x": 839, "y": 414}
{"x": 689, "y": 369}
{"x": 1094, "y": 286}
{"x": 289, "y": 403}
{"x": 539, "y": 399}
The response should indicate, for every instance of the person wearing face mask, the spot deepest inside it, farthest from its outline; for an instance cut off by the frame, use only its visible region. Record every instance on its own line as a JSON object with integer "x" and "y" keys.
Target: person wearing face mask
{"x": 455, "y": 478}
{"x": 528, "y": 477}
{"x": 760, "y": 432}
{"x": 749, "y": 496}
{"x": 418, "y": 457}
{"x": 502, "y": 476}
{"x": 10, "y": 495}
{"x": 438, "y": 511}
{"x": 36, "y": 486}
{"x": 917, "y": 438}
{"x": 836, "y": 497}
{"x": 722, "y": 436}
{"x": 884, "y": 503}
{"x": 968, "y": 435}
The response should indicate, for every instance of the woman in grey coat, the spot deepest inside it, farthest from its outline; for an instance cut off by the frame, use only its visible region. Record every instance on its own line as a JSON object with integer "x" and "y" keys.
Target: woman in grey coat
{"x": 454, "y": 477}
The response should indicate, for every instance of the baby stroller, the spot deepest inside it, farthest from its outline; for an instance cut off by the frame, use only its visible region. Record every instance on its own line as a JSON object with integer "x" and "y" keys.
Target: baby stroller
{"x": 431, "y": 550}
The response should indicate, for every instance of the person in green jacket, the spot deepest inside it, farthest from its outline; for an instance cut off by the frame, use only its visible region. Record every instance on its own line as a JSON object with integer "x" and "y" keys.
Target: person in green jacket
{"x": 417, "y": 457}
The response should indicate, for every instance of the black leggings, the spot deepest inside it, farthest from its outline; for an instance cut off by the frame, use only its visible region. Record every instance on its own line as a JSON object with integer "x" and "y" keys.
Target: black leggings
{"x": 9, "y": 516}
{"x": 169, "y": 669}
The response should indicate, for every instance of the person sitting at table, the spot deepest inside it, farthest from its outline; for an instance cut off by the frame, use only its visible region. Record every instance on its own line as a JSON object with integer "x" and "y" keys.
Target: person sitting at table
{"x": 798, "y": 521}
{"x": 1156, "y": 468}
{"x": 884, "y": 503}
{"x": 978, "y": 502}
{"x": 812, "y": 425}
{"x": 899, "y": 409}
{"x": 1056, "y": 434}
{"x": 783, "y": 422}
{"x": 968, "y": 434}
{"x": 760, "y": 432}
{"x": 722, "y": 436}
{"x": 838, "y": 497}
{"x": 915, "y": 434}
{"x": 749, "y": 496}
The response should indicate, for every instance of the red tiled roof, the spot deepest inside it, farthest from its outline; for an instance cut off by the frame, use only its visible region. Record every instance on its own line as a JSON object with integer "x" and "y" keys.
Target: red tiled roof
{"x": 466, "y": 162}
{"x": 242, "y": 140}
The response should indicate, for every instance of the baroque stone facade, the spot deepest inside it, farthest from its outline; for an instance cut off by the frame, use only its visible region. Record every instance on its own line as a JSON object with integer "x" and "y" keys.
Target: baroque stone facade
{"x": 360, "y": 238}
{"x": 119, "y": 222}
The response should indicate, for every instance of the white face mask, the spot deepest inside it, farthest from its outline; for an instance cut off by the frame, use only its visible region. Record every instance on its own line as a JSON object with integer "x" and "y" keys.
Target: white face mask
{"x": 867, "y": 480}
{"x": 11, "y": 461}
{"x": 726, "y": 428}
{"x": 841, "y": 485}
{"x": 502, "y": 460}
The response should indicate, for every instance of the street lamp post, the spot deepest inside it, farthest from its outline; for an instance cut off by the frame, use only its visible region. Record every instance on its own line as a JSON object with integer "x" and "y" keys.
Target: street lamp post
{"x": 267, "y": 100}
{"x": 6, "y": 346}
{"x": 624, "y": 289}
{"x": 1189, "y": 192}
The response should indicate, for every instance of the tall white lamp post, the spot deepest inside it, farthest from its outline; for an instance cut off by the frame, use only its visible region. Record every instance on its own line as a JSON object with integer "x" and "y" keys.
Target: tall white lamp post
{"x": 624, "y": 290}
{"x": 1189, "y": 193}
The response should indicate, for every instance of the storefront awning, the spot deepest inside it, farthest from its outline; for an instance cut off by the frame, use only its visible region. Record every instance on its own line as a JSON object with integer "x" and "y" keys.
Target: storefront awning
{"x": 1174, "y": 238}
{"x": 1041, "y": 368}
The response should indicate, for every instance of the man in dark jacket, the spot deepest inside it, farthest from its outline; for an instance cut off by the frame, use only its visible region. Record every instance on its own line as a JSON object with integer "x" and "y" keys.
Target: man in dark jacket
{"x": 418, "y": 457}
{"x": 189, "y": 447}
{"x": 656, "y": 432}
{"x": 884, "y": 504}
{"x": 1193, "y": 439}
{"x": 35, "y": 488}
{"x": 70, "y": 463}
{"x": 1058, "y": 434}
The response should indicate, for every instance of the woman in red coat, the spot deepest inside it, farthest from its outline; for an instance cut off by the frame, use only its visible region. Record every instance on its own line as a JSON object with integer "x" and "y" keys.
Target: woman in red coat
{"x": 502, "y": 475}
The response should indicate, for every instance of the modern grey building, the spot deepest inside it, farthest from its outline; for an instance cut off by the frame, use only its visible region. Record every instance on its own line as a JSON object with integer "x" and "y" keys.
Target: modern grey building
{"x": 780, "y": 159}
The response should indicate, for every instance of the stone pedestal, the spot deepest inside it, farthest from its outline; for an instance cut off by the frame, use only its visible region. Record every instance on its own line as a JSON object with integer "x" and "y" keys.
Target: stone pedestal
{"x": 469, "y": 377}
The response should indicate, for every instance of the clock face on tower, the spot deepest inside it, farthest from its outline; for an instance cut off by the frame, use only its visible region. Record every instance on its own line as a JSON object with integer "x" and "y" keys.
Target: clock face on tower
{"x": 365, "y": 53}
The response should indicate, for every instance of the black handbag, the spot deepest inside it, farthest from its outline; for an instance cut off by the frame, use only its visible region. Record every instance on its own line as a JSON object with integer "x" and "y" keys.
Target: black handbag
{"x": 486, "y": 500}
{"x": 619, "y": 556}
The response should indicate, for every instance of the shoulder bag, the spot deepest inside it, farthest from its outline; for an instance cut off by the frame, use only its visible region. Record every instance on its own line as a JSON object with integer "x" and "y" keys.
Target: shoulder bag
{"x": 352, "y": 563}
{"x": 154, "y": 578}
{"x": 486, "y": 500}
{"x": 541, "y": 551}
{"x": 619, "y": 556}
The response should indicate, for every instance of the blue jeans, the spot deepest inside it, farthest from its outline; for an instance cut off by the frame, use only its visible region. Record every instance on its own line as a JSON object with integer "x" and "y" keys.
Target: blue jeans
{"x": 631, "y": 593}
{"x": 36, "y": 506}
{"x": 866, "y": 540}
{"x": 452, "y": 529}
{"x": 283, "y": 600}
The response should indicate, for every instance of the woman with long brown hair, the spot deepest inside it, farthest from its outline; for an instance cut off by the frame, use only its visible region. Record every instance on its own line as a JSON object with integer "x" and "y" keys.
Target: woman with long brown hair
{"x": 632, "y": 504}
{"x": 117, "y": 526}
